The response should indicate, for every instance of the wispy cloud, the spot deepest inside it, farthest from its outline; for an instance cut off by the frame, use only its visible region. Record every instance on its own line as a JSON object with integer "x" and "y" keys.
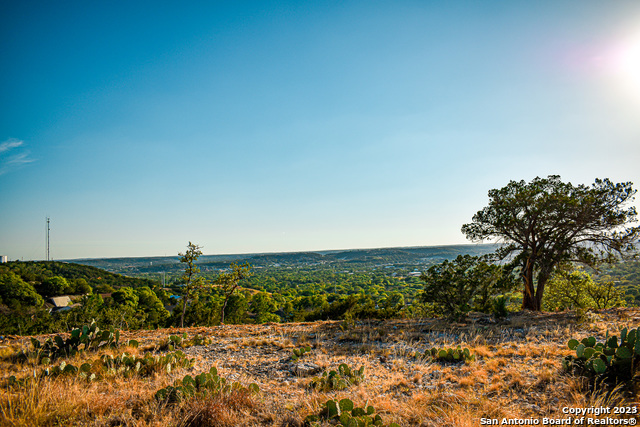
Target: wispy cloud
{"x": 13, "y": 155}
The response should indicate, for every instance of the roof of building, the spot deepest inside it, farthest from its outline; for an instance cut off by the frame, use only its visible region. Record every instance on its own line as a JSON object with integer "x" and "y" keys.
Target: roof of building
{"x": 62, "y": 301}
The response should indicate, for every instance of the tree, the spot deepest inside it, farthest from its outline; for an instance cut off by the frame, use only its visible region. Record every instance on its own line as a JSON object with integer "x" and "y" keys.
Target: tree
{"x": 464, "y": 284}
{"x": 15, "y": 292}
{"x": 149, "y": 302}
{"x": 229, "y": 282}
{"x": 126, "y": 296}
{"x": 264, "y": 307}
{"x": 547, "y": 222}
{"x": 53, "y": 286}
{"x": 82, "y": 287}
{"x": 192, "y": 284}
{"x": 576, "y": 290}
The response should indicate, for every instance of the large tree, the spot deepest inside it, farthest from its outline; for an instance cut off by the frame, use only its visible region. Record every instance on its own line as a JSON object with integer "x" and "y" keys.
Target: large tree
{"x": 547, "y": 222}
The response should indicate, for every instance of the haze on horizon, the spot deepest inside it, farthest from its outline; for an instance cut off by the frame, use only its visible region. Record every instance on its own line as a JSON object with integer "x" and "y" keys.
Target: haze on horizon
{"x": 251, "y": 127}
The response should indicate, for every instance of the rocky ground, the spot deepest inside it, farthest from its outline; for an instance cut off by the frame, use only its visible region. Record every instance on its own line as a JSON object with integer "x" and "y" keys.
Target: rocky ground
{"x": 517, "y": 373}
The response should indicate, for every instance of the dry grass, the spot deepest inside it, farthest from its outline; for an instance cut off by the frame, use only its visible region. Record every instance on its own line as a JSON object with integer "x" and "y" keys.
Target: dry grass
{"x": 517, "y": 374}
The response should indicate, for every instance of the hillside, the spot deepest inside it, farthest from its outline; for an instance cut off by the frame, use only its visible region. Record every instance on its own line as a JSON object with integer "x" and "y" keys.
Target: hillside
{"x": 37, "y": 271}
{"x": 517, "y": 374}
{"x": 409, "y": 256}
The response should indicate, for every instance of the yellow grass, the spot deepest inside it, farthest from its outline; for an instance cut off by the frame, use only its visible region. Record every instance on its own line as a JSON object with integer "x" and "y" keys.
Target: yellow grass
{"x": 517, "y": 374}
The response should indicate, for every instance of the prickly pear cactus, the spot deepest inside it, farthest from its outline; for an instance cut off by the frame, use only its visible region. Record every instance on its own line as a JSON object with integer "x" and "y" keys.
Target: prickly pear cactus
{"x": 338, "y": 380}
{"x": 299, "y": 352}
{"x": 207, "y": 383}
{"x": 345, "y": 413}
{"x": 606, "y": 364}
{"x": 87, "y": 338}
{"x": 451, "y": 355}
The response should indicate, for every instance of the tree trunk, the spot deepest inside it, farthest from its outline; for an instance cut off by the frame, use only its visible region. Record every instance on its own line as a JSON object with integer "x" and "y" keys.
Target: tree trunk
{"x": 529, "y": 297}
{"x": 224, "y": 306}
{"x": 184, "y": 309}
{"x": 543, "y": 277}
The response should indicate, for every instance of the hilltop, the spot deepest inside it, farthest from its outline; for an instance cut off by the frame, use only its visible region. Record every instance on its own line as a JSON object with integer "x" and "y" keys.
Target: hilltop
{"x": 516, "y": 373}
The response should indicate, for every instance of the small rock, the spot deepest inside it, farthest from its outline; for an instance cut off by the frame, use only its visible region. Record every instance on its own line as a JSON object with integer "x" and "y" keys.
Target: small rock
{"x": 305, "y": 369}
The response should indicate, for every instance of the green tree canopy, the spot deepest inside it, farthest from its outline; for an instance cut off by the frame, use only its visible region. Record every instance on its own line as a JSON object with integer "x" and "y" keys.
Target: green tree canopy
{"x": 577, "y": 290}
{"x": 53, "y": 286}
{"x": 548, "y": 222}
{"x": 191, "y": 282}
{"x": 264, "y": 307}
{"x": 14, "y": 291}
{"x": 125, "y": 296}
{"x": 464, "y": 284}
{"x": 228, "y": 283}
{"x": 149, "y": 302}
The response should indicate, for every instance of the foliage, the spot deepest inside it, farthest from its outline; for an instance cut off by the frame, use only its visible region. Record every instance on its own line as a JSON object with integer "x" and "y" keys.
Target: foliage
{"x": 451, "y": 355}
{"x": 125, "y": 296}
{"x": 346, "y": 414}
{"x": 577, "y": 290}
{"x": 124, "y": 364}
{"x": 236, "y": 309}
{"x": 15, "y": 292}
{"x": 207, "y": 383}
{"x": 151, "y": 306}
{"x": 53, "y": 286}
{"x": 338, "y": 380}
{"x": 626, "y": 277}
{"x": 500, "y": 309}
{"x": 606, "y": 364}
{"x": 464, "y": 284}
{"x": 87, "y": 338}
{"x": 192, "y": 284}
{"x": 548, "y": 222}
{"x": 174, "y": 342}
{"x": 80, "y": 278}
{"x": 228, "y": 283}
{"x": 263, "y": 307}
{"x": 203, "y": 310}
{"x": 299, "y": 352}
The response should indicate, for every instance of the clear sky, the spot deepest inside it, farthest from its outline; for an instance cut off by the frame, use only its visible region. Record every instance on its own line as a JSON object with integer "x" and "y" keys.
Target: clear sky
{"x": 286, "y": 126}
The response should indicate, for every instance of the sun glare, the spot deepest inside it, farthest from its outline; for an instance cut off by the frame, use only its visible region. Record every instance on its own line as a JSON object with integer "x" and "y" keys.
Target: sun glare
{"x": 627, "y": 64}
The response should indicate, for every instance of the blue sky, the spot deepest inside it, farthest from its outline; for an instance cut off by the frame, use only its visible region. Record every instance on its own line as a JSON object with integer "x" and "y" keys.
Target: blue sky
{"x": 287, "y": 126}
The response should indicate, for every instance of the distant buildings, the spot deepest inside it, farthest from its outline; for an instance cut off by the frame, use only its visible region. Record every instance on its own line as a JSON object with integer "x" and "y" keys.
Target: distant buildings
{"x": 3, "y": 259}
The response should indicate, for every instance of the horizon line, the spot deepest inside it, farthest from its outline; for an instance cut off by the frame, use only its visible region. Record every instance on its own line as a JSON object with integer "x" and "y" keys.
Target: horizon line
{"x": 282, "y": 252}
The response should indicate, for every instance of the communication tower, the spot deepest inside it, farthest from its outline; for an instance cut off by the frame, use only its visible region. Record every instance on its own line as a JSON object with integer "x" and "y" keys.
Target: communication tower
{"x": 48, "y": 238}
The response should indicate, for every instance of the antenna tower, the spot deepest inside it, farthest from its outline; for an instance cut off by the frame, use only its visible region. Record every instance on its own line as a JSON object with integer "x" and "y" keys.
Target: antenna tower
{"x": 48, "y": 238}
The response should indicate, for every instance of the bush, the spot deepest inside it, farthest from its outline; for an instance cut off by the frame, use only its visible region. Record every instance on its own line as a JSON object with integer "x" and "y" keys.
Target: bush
{"x": 577, "y": 290}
